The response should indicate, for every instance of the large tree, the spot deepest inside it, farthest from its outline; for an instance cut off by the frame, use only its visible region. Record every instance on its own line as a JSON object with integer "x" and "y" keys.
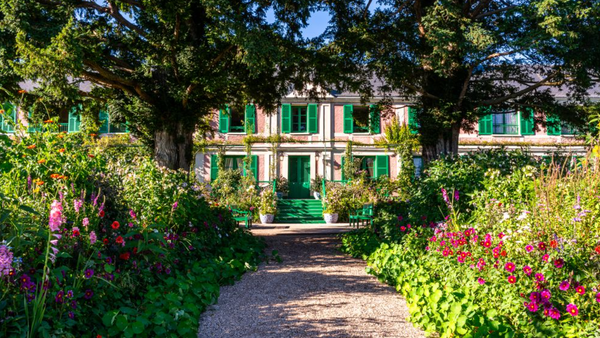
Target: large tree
{"x": 161, "y": 65}
{"x": 457, "y": 58}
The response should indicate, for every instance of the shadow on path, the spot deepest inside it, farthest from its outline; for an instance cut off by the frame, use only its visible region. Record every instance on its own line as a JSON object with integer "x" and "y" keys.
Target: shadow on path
{"x": 315, "y": 292}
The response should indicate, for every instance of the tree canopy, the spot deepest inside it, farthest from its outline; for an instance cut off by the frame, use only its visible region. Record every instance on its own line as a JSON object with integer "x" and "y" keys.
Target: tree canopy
{"x": 457, "y": 58}
{"x": 161, "y": 65}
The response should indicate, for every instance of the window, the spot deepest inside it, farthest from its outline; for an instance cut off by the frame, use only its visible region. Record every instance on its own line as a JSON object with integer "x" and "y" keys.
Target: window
{"x": 234, "y": 162}
{"x": 236, "y": 120}
{"x": 567, "y": 129}
{"x": 367, "y": 164}
{"x": 506, "y": 123}
{"x": 299, "y": 119}
{"x": 418, "y": 162}
{"x": 361, "y": 119}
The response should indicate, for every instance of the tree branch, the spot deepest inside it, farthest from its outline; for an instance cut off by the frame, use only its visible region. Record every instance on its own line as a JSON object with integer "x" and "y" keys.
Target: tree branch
{"x": 113, "y": 11}
{"x": 117, "y": 81}
{"x": 482, "y": 4}
{"x": 367, "y": 9}
{"x": 419, "y": 18}
{"x": 523, "y": 91}
{"x": 497, "y": 11}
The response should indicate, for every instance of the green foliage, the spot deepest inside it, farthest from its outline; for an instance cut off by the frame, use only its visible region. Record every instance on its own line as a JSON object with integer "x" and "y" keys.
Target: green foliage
{"x": 360, "y": 243}
{"x": 518, "y": 214}
{"x": 316, "y": 184}
{"x": 155, "y": 251}
{"x": 268, "y": 202}
{"x": 233, "y": 189}
{"x": 405, "y": 143}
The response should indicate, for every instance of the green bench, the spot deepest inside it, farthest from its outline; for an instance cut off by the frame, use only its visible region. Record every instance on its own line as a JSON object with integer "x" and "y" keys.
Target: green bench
{"x": 362, "y": 215}
{"x": 242, "y": 216}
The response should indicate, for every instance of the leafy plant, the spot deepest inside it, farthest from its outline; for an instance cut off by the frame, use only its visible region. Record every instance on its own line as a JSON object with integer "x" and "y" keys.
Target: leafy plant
{"x": 268, "y": 202}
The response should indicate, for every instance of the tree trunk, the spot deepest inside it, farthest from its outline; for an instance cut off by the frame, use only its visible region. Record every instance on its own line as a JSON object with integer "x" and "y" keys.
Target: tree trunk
{"x": 447, "y": 144}
{"x": 173, "y": 148}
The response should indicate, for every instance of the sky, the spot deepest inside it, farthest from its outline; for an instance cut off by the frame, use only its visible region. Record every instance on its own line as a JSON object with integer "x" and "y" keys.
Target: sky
{"x": 317, "y": 23}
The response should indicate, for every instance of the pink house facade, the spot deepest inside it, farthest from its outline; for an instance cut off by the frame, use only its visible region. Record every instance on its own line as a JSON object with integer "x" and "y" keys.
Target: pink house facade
{"x": 315, "y": 134}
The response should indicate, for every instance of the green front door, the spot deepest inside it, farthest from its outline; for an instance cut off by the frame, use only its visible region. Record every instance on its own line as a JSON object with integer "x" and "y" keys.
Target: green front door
{"x": 299, "y": 176}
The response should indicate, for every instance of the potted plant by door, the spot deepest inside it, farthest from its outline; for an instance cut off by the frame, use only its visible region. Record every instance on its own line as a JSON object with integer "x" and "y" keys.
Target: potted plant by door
{"x": 268, "y": 206}
{"x": 316, "y": 186}
{"x": 331, "y": 203}
{"x": 282, "y": 186}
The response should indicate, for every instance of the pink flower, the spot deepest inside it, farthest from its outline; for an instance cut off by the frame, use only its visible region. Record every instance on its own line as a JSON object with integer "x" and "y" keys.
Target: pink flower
{"x": 510, "y": 266}
{"x": 546, "y": 294}
{"x": 56, "y": 219}
{"x": 554, "y": 313}
{"x": 539, "y": 277}
{"x": 532, "y": 307}
{"x": 512, "y": 279}
{"x": 85, "y": 222}
{"x": 580, "y": 290}
{"x": 559, "y": 263}
{"x": 527, "y": 270}
{"x": 572, "y": 309}
{"x": 482, "y": 281}
{"x": 564, "y": 286}
{"x": 6, "y": 259}
{"x": 93, "y": 237}
{"x": 545, "y": 257}
{"x": 598, "y": 297}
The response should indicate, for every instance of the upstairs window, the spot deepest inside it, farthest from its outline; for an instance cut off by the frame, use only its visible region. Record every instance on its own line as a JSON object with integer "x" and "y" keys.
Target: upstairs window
{"x": 299, "y": 119}
{"x": 238, "y": 120}
{"x": 362, "y": 119}
{"x": 506, "y": 122}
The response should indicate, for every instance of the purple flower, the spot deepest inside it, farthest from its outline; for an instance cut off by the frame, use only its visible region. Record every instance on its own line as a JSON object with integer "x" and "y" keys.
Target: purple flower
{"x": 88, "y": 294}
{"x": 132, "y": 213}
{"x": 6, "y": 258}
{"x": 535, "y": 297}
{"x": 88, "y": 273}
{"x": 175, "y": 205}
{"x": 456, "y": 195}
{"x": 564, "y": 286}
{"x": 70, "y": 294}
{"x": 28, "y": 182}
{"x": 71, "y": 315}
{"x": 59, "y": 298}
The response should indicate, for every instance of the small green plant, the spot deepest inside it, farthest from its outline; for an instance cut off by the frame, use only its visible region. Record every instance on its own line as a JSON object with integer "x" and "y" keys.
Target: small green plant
{"x": 316, "y": 184}
{"x": 283, "y": 185}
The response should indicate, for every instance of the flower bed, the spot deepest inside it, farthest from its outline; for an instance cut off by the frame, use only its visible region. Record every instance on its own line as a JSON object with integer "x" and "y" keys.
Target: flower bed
{"x": 523, "y": 260}
{"x": 92, "y": 245}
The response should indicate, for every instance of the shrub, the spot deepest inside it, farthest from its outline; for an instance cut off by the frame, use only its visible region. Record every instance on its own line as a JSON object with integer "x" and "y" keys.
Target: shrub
{"x": 109, "y": 246}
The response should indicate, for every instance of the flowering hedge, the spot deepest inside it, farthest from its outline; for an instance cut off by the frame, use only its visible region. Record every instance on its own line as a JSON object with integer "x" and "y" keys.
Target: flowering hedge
{"x": 107, "y": 246}
{"x": 524, "y": 261}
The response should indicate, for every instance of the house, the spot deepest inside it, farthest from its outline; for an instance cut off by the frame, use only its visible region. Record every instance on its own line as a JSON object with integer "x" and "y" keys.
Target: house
{"x": 312, "y": 137}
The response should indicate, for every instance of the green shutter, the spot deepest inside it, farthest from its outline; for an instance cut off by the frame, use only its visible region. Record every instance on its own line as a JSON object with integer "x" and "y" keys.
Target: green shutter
{"x": 342, "y": 166}
{"x": 413, "y": 123}
{"x": 313, "y": 118}
{"x": 250, "y": 119}
{"x": 527, "y": 124}
{"x": 74, "y": 120}
{"x": 485, "y": 122}
{"x": 254, "y": 166}
{"x": 374, "y": 119}
{"x": 553, "y": 125}
{"x": 10, "y": 113}
{"x": 286, "y": 118}
{"x": 348, "y": 119}
{"x": 382, "y": 166}
{"x": 214, "y": 168}
{"x": 103, "y": 119}
{"x": 223, "y": 121}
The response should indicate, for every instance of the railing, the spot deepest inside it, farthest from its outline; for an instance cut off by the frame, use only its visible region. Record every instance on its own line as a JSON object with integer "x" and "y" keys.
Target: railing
{"x": 273, "y": 182}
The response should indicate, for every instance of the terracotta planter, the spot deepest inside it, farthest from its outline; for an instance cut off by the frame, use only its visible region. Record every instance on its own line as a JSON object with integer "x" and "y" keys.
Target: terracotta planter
{"x": 330, "y": 218}
{"x": 266, "y": 219}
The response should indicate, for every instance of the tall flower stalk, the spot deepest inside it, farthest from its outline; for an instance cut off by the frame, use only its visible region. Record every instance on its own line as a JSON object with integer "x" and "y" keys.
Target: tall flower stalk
{"x": 39, "y": 303}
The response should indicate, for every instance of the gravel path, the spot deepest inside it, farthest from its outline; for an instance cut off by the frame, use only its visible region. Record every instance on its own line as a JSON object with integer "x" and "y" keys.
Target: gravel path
{"x": 315, "y": 292}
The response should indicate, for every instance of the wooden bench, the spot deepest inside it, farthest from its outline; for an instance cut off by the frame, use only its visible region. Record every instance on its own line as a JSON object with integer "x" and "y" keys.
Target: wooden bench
{"x": 242, "y": 216}
{"x": 361, "y": 215}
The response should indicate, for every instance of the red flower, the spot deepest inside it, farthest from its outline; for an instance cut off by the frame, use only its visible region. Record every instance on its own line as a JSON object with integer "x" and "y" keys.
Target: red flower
{"x": 598, "y": 249}
{"x": 90, "y": 155}
{"x": 135, "y": 250}
{"x": 119, "y": 240}
{"x": 542, "y": 246}
{"x": 115, "y": 225}
{"x": 105, "y": 241}
{"x": 31, "y": 146}
{"x": 553, "y": 244}
{"x": 124, "y": 256}
{"x": 512, "y": 279}
{"x": 580, "y": 290}
{"x": 101, "y": 213}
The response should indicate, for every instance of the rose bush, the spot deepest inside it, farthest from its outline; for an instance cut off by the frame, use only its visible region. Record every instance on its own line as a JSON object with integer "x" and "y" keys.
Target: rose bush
{"x": 112, "y": 245}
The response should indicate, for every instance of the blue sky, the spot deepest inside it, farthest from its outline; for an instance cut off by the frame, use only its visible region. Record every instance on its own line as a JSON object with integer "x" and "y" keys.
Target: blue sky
{"x": 316, "y": 24}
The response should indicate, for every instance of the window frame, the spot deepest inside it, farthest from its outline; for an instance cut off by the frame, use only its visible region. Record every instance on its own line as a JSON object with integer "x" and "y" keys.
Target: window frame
{"x": 504, "y": 125}
{"x": 296, "y": 114}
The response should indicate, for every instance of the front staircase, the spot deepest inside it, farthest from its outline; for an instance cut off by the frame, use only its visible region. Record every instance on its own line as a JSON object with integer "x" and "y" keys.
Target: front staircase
{"x": 299, "y": 211}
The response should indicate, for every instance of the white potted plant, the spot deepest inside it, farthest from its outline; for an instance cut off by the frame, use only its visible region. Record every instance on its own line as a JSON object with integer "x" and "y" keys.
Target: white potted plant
{"x": 331, "y": 204}
{"x": 316, "y": 186}
{"x": 267, "y": 207}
